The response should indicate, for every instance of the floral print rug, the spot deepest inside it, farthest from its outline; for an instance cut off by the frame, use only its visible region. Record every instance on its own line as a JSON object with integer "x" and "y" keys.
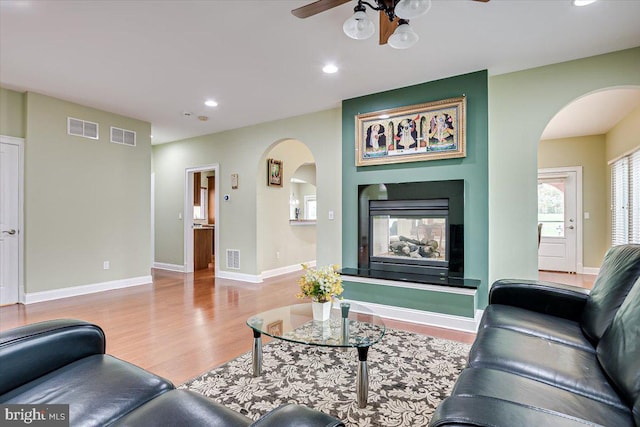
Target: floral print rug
{"x": 409, "y": 374}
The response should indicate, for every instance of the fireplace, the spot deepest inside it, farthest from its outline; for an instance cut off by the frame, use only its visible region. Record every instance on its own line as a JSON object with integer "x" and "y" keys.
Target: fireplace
{"x": 409, "y": 236}
{"x": 412, "y": 229}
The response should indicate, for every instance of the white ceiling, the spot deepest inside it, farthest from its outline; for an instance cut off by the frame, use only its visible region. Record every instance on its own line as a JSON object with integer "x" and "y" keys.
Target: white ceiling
{"x": 593, "y": 114}
{"x": 153, "y": 60}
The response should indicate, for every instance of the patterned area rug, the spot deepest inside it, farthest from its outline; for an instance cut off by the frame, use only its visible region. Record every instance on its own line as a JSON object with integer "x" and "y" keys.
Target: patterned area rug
{"x": 409, "y": 374}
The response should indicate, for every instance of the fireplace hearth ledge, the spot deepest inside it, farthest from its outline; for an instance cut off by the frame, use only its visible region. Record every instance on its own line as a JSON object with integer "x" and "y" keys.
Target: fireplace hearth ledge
{"x": 414, "y": 281}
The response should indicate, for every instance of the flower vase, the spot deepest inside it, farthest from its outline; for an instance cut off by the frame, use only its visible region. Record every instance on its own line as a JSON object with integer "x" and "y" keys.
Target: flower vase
{"x": 321, "y": 310}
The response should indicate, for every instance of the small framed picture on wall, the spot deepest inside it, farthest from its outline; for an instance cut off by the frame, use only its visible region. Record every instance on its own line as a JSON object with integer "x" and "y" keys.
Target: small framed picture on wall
{"x": 274, "y": 173}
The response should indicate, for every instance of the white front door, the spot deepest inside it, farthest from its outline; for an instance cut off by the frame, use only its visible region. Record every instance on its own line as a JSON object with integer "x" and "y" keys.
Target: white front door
{"x": 557, "y": 212}
{"x": 9, "y": 222}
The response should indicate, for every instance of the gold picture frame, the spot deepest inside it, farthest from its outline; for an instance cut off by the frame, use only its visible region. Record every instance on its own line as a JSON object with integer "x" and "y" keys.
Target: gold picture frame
{"x": 274, "y": 173}
{"x": 430, "y": 131}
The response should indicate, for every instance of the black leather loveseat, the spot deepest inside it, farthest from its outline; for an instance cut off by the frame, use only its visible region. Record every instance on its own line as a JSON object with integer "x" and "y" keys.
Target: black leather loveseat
{"x": 63, "y": 362}
{"x": 554, "y": 355}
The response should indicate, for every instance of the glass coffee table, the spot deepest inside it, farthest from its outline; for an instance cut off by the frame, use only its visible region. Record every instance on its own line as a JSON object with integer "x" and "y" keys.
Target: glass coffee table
{"x": 350, "y": 325}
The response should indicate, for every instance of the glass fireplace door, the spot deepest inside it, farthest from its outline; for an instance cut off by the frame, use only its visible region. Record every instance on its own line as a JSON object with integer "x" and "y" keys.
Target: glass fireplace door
{"x": 401, "y": 237}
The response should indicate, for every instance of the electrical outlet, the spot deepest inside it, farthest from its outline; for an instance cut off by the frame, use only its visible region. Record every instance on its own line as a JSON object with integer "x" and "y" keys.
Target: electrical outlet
{"x": 331, "y": 215}
{"x": 105, "y": 265}
{"x": 277, "y": 254}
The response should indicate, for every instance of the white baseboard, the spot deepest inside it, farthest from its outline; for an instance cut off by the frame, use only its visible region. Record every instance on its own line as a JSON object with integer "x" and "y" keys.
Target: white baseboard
{"x": 170, "y": 267}
{"x": 259, "y": 278}
{"x": 286, "y": 270}
{"x": 458, "y": 323}
{"x": 242, "y": 277}
{"x": 53, "y": 294}
{"x": 591, "y": 270}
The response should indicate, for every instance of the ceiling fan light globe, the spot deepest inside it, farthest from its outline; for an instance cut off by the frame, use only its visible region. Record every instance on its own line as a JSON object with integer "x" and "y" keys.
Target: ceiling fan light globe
{"x": 409, "y": 9}
{"x": 359, "y": 26}
{"x": 403, "y": 37}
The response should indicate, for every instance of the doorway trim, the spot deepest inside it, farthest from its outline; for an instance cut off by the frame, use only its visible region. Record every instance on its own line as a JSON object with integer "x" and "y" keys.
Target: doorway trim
{"x": 579, "y": 209}
{"x": 20, "y": 143}
{"x": 187, "y": 216}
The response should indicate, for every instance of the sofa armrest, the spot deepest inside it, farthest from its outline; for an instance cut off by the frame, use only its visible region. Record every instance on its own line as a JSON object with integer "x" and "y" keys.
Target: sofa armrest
{"x": 31, "y": 351}
{"x": 544, "y": 297}
{"x": 297, "y": 416}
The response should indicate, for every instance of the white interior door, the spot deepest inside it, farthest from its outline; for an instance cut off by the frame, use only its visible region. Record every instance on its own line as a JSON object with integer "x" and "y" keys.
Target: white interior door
{"x": 557, "y": 212}
{"x": 9, "y": 222}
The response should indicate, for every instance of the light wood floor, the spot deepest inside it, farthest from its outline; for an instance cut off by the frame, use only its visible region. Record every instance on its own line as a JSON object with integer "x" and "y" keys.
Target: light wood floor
{"x": 181, "y": 325}
{"x": 582, "y": 280}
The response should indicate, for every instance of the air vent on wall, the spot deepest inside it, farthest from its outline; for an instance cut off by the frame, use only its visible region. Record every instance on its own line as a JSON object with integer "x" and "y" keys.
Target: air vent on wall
{"x": 82, "y": 128}
{"x": 123, "y": 136}
{"x": 233, "y": 259}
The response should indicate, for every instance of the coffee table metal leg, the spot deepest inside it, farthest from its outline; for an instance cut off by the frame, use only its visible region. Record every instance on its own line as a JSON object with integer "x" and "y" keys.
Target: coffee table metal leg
{"x": 257, "y": 353}
{"x": 362, "y": 379}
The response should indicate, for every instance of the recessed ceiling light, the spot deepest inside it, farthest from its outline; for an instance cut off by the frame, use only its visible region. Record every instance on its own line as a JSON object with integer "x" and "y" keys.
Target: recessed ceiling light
{"x": 330, "y": 69}
{"x": 210, "y": 103}
{"x": 583, "y": 2}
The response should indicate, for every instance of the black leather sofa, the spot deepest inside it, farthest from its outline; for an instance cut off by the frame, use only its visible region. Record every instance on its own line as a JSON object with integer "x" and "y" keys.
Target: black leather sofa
{"x": 64, "y": 362}
{"x": 554, "y": 355}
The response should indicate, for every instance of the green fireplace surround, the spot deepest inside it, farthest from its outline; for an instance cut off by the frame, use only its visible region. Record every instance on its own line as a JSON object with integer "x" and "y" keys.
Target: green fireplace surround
{"x": 473, "y": 169}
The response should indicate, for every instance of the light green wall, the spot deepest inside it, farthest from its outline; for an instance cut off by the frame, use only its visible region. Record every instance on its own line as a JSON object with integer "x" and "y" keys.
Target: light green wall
{"x": 86, "y": 201}
{"x": 588, "y": 152}
{"x": 12, "y": 121}
{"x": 278, "y": 243}
{"x": 472, "y": 168}
{"x": 521, "y": 104}
{"x": 621, "y": 140}
{"x": 243, "y": 151}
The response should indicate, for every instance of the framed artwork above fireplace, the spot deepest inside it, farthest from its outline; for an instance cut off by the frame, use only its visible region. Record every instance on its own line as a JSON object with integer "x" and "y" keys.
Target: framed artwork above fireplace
{"x": 430, "y": 131}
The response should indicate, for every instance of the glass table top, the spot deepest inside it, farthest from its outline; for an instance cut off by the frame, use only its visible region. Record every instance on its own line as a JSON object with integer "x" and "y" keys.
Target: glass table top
{"x": 361, "y": 328}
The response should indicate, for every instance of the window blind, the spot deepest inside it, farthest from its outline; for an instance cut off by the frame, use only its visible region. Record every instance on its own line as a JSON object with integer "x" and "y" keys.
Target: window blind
{"x": 625, "y": 200}
{"x": 619, "y": 201}
{"x": 634, "y": 197}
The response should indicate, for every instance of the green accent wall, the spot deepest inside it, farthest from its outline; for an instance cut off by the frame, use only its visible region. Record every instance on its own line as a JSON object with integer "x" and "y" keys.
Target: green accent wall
{"x": 416, "y": 299}
{"x": 473, "y": 169}
{"x": 12, "y": 114}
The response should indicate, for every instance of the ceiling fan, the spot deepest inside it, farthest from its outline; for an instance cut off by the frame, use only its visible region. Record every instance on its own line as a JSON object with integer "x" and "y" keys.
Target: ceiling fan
{"x": 394, "y": 18}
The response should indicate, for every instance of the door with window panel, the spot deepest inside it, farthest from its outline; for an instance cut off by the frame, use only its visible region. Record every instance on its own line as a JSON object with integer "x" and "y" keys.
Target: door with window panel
{"x": 557, "y": 210}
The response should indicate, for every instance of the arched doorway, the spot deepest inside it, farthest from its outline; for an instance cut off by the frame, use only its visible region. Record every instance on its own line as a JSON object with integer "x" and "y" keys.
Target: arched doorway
{"x": 286, "y": 226}
{"x": 574, "y": 182}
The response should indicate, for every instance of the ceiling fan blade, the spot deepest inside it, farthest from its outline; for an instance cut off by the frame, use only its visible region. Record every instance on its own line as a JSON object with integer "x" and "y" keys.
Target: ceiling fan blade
{"x": 316, "y": 7}
{"x": 387, "y": 27}
{"x": 482, "y": 1}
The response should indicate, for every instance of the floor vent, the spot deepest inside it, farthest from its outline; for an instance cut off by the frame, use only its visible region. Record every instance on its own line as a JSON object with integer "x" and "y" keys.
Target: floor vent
{"x": 123, "y": 136}
{"x": 233, "y": 259}
{"x": 82, "y": 128}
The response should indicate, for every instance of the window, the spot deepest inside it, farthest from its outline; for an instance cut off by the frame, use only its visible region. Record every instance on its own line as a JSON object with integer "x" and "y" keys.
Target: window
{"x": 310, "y": 212}
{"x": 551, "y": 207}
{"x": 625, "y": 199}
